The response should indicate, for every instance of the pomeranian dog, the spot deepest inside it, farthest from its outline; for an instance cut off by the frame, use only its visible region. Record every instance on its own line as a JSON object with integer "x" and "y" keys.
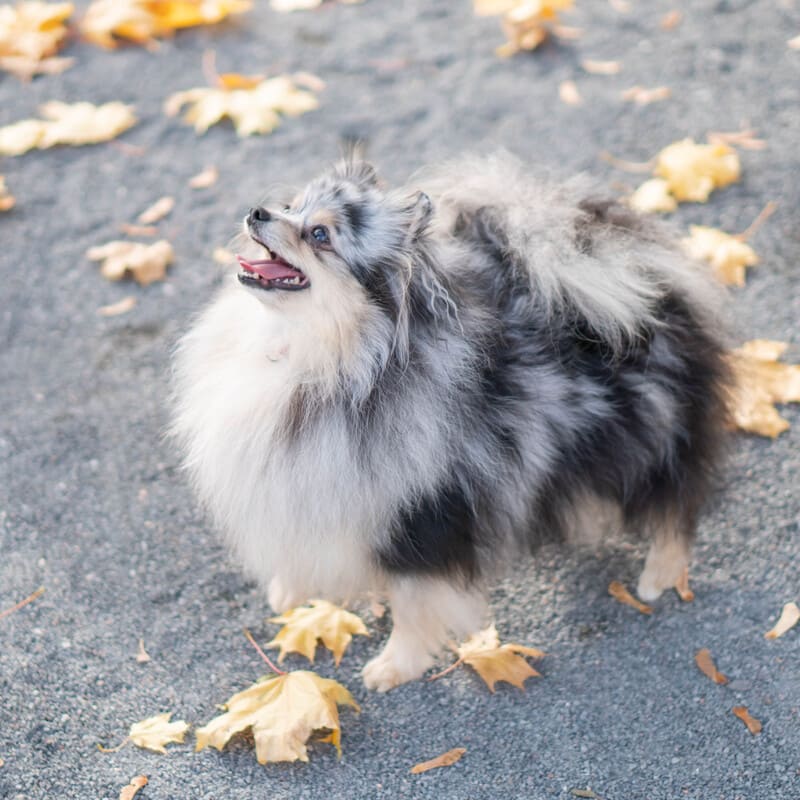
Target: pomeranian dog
{"x": 402, "y": 389}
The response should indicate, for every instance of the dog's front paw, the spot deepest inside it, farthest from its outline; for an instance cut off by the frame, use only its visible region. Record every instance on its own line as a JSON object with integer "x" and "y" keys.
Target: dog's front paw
{"x": 388, "y": 670}
{"x": 280, "y": 597}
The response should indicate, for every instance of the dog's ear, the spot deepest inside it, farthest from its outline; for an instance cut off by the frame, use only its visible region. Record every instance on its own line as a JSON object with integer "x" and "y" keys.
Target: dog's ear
{"x": 420, "y": 213}
{"x": 357, "y": 171}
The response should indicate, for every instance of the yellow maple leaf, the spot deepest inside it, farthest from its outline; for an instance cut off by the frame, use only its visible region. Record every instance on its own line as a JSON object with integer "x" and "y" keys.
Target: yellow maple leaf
{"x": 760, "y": 382}
{"x": 652, "y": 196}
{"x": 728, "y": 255}
{"x": 255, "y": 109}
{"x": 692, "y": 171}
{"x": 29, "y": 33}
{"x": 322, "y": 621}
{"x": 303, "y": 5}
{"x": 495, "y": 662}
{"x": 129, "y": 792}
{"x": 7, "y": 200}
{"x": 526, "y": 23}
{"x": 142, "y": 21}
{"x": 155, "y": 732}
{"x": 282, "y": 711}
{"x": 66, "y": 123}
{"x": 145, "y": 262}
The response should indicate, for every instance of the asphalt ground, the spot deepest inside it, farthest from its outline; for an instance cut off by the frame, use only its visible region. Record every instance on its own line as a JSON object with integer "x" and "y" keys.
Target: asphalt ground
{"x": 95, "y": 509}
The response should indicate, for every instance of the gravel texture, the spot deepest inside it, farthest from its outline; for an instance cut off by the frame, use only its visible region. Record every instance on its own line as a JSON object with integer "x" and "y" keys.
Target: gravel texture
{"x": 94, "y": 508}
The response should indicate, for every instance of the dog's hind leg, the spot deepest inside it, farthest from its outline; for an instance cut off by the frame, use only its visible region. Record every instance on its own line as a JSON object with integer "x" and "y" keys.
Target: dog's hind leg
{"x": 426, "y": 612}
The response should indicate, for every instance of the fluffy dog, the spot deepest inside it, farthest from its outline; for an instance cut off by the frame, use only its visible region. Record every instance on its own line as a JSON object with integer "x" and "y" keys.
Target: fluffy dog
{"x": 402, "y": 389}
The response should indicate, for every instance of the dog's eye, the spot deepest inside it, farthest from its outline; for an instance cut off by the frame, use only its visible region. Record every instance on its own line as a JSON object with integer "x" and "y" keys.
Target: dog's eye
{"x": 320, "y": 234}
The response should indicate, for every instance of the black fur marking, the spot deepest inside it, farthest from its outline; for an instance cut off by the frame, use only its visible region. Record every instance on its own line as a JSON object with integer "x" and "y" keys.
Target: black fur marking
{"x": 434, "y": 535}
{"x": 355, "y": 217}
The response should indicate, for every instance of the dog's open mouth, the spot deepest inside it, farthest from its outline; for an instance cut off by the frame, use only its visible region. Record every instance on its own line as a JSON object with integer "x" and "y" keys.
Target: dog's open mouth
{"x": 271, "y": 273}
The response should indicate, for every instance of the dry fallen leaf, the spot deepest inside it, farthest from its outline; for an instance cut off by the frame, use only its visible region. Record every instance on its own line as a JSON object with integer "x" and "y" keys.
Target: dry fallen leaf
{"x": 762, "y": 381}
{"x": 727, "y": 254}
{"x": 66, "y": 123}
{"x": 30, "y": 32}
{"x": 157, "y": 211}
{"x": 253, "y": 109}
{"x": 653, "y": 196}
{"x": 618, "y": 591}
{"x": 671, "y": 20}
{"x": 142, "y": 21}
{"x": 794, "y": 43}
{"x": 601, "y": 67}
{"x": 526, "y": 23}
{"x": 146, "y": 262}
{"x": 643, "y": 96}
{"x": 208, "y": 177}
{"x": 115, "y": 309}
{"x": 569, "y": 94}
{"x": 128, "y": 792}
{"x": 138, "y": 230}
{"x": 302, "y": 627}
{"x": 682, "y": 587}
{"x": 7, "y": 200}
{"x": 155, "y": 732}
{"x": 495, "y": 662}
{"x": 303, "y": 5}
{"x": 692, "y": 171}
{"x": 142, "y": 656}
{"x": 790, "y": 616}
{"x": 753, "y": 725}
{"x": 283, "y": 711}
{"x": 706, "y": 665}
{"x": 444, "y": 760}
{"x": 746, "y": 139}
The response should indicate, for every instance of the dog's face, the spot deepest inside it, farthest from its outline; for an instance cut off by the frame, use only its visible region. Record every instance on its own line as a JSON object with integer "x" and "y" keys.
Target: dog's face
{"x": 342, "y": 240}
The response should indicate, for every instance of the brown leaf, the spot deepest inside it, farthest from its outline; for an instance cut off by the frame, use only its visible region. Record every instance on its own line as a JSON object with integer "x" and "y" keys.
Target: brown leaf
{"x": 706, "y": 665}
{"x": 794, "y": 43}
{"x": 142, "y": 656}
{"x": 753, "y": 725}
{"x": 138, "y": 230}
{"x": 760, "y": 382}
{"x": 208, "y": 177}
{"x": 618, "y": 591}
{"x": 569, "y": 94}
{"x": 7, "y": 200}
{"x": 120, "y": 307}
{"x": 526, "y": 24}
{"x": 671, "y": 20}
{"x": 444, "y": 760}
{"x": 790, "y": 616}
{"x": 595, "y": 67}
{"x": 157, "y": 211}
{"x": 128, "y": 792}
{"x": 282, "y": 711}
{"x": 145, "y": 262}
{"x": 643, "y": 97}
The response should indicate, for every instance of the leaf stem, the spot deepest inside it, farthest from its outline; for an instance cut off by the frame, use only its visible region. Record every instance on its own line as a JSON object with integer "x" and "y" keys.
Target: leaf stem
{"x": 762, "y": 217}
{"x": 263, "y": 654}
{"x": 448, "y": 670}
{"x": 29, "y": 599}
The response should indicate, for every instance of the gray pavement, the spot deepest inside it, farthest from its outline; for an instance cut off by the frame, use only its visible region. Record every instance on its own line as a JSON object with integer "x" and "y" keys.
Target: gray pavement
{"x": 94, "y": 508}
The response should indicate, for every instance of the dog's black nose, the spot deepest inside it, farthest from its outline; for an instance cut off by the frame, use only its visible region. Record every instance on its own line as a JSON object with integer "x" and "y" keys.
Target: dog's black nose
{"x": 258, "y": 214}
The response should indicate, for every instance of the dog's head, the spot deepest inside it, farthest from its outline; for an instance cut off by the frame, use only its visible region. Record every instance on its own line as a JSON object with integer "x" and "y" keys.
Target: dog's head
{"x": 343, "y": 240}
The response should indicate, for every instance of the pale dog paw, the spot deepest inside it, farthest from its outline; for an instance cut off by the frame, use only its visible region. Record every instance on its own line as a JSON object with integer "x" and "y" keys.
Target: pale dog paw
{"x": 648, "y": 590}
{"x": 384, "y": 672}
{"x": 280, "y": 597}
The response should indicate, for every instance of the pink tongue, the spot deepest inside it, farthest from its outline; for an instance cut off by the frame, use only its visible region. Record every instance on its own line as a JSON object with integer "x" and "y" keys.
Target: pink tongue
{"x": 268, "y": 269}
